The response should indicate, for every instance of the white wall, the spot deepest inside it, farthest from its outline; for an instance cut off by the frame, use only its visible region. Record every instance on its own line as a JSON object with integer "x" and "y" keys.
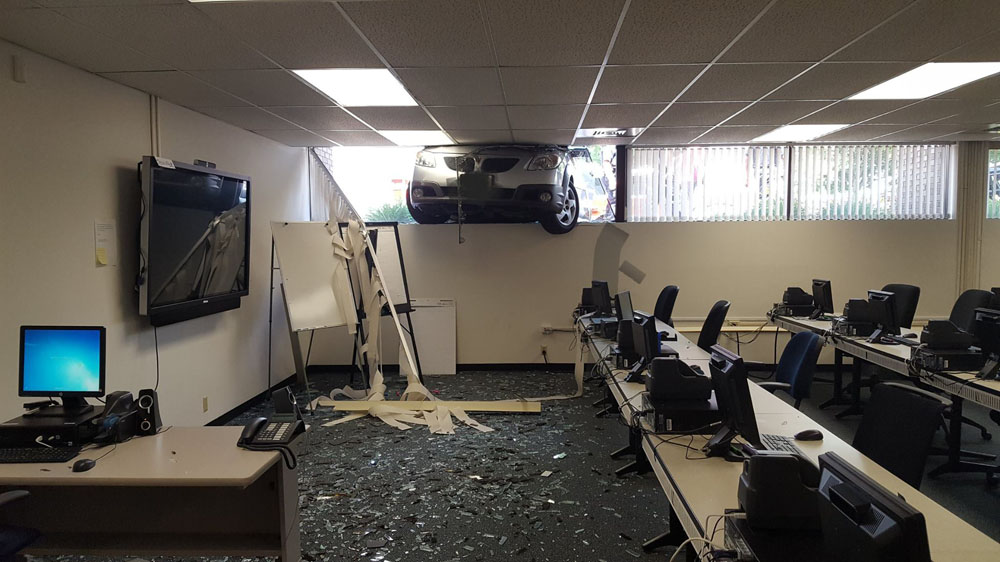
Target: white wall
{"x": 69, "y": 144}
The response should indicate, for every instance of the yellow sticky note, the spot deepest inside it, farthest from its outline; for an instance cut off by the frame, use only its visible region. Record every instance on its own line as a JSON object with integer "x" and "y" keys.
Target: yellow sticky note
{"x": 102, "y": 256}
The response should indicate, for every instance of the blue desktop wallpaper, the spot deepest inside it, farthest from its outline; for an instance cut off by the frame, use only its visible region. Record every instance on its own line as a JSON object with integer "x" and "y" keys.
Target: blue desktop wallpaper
{"x": 62, "y": 361}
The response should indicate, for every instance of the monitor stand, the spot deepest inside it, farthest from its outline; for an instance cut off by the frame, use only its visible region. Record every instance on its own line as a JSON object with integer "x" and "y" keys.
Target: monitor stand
{"x": 72, "y": 407}
{"x": 991, "y": 370}
{"x": 721, "y": 445}
{"x": 635, "y": 373}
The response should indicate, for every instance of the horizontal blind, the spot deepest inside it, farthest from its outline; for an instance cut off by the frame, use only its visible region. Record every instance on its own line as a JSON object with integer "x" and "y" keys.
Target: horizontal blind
{"x": 707, "y": 183}
{"x": 993, "y": 186}
{"x": 871, "y": 182}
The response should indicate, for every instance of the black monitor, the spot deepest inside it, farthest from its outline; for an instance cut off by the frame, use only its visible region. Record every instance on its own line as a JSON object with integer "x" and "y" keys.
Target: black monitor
{"x": 822, "y": 298}
{"x": 732, "y": 394}
{"x": 63, "y": 361}
{"x": 602, "y": 298}
{"x": 987, "y": 332}
{"x": 885, "y": 316}
{"x": 623, "y": 306}
{"x": 864, "y": 522}
{"x": 646, "y": 341}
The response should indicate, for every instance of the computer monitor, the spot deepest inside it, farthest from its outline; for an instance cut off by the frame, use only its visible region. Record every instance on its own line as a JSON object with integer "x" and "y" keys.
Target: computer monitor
{"x": 822, "y": 298}
{"x": 63, "y": 361}
{"x": 732, "y": 394}
{"x": 646, "y": 341}
{"x": 882, "y": 305}
{"x": 602, "y": 298}
{"x": 864, "y": 522}
{"x": 623, "y": 306}
{"x": 987, "y": 332}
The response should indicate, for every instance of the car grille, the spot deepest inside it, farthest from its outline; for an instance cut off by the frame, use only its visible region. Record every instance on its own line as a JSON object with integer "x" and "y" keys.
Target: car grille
{"x": 496, "y": 194}
{"x": 497, "y": 165}
{"x": 451, "y": 162}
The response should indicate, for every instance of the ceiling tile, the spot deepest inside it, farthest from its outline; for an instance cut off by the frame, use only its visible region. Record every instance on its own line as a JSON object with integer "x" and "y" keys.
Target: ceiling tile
{"x": 983, "y": 49}
{"x": 53, "y": 35}
{"x": 544, "y": 136}
{"x": 357, "y": 138}
{"x": 295, "y": 138}
{"x": 453, "y": 86}
{"x": 725, "y": 134}
{"x": 545, "y": 116}
{"x": 808, "y": 30}
{"x": 851, "y": 111}
{"x": 471, "y": 117}
{"x": 636, "y": 84}
{"x": 296, "y": 35}
{"x": 264, "y": 87}
{"x": 968, "y": 136}
{"x": 426, "y": 33}
{"x": 775, "y": 112}
{"x": 984, "y": 114}
{"x": 680, "y": 31}
{"x": 246, "y": 117}
{"x": 926, "y": 30}
{"x": 740, "y": 82}
{"x": 567, "y": 32}
{"x": 984, "y": 89}
{"x": 175, "y": 87}
{"x": 921, "y": 112}
{"x": 557, "y": 85}
{"x": 179, "y": 35}
{"x": 669, "y": 135}
{"x": 921, "y": 133}
{"x": 320, "y": 118}
{"x": 481, "y": 136}
{"x": 702, "y": 113}
{"x": 621, "y": 115}
{"x": 395, "y": 118}
{"x": 60, "y": 3}
{"x": 834, "y": 81}
{"x": 9, "y": 4}
{"x": 860, "y": 133}
{"x": 604, "y": 141}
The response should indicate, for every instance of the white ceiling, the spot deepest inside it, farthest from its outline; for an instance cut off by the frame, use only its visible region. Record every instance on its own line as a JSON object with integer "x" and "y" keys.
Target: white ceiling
{"x": 682, "y": 71}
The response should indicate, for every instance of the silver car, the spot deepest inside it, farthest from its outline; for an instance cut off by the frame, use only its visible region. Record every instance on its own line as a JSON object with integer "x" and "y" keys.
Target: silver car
{"x": 511, "y": 182}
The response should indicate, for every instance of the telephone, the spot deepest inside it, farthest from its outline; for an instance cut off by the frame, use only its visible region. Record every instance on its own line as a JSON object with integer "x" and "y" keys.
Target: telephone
{"x": 274, "y": 434}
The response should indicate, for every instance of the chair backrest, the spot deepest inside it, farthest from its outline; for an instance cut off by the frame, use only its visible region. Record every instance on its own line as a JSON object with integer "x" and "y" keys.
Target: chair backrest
{"x": 664, "y": 309}
{"x": 907, "y": 297}
{"x": 798, "y": 363}
{"x": 963, "y": 314}
{"x": 713, "y": 325}
{"x": 897, "y": 429}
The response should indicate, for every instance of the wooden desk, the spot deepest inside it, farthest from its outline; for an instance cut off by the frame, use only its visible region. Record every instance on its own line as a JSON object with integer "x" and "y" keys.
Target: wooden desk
{"x": 699, "y": 489}
{"x": 187, "y": 491}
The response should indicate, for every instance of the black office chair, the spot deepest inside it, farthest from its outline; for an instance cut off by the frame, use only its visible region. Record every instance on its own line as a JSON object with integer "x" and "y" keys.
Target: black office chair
{"x": 712, "y": 327}
{"x": 963, "y": 313}
{"x": 14, "y": 539}
{"x": 907, "y": 297}
{"x": 796, "y": 367}
{"x": 897, "y": 429}
{"x": 664, "y": 309}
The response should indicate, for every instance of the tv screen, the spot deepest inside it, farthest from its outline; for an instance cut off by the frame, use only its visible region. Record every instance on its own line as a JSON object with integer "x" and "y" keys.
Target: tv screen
{"x": 195, "y": 240}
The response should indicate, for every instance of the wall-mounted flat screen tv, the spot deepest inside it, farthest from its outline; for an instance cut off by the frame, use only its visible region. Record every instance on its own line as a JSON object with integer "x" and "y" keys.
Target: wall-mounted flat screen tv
{"x": 194, "y": 240}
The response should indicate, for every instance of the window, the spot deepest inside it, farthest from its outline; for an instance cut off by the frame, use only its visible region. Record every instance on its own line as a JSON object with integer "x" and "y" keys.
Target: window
{"x": 374, "y": 179}
{"x": 710, "y": 183}
{"x": 871, "y": 182}
{"x": 993, "y": 186}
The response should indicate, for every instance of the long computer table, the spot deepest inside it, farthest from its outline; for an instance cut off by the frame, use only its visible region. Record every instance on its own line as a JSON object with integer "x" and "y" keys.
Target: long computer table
{"x": 700, "y": 489}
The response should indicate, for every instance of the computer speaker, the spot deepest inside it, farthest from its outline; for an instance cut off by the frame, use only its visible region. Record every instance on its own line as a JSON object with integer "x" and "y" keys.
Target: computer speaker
{"x": 149, "y": 412}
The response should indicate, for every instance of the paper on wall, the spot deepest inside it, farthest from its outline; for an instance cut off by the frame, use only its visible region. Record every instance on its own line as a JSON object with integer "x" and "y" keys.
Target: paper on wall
{"x": 105, "y": 243}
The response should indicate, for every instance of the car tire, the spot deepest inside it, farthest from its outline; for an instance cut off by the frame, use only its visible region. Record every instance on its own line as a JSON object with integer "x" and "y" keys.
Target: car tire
{"x": 423, "y": 217}
{"x": 564, "y": 221}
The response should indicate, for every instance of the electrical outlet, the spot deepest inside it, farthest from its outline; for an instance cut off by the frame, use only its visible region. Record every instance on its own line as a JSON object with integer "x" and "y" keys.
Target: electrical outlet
{"x": 545, "y": 349}
{"x": 204, "y": 403}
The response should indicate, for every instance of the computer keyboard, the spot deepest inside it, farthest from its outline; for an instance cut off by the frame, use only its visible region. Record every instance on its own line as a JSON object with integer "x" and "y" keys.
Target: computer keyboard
{"x": 37, "y": 454}
{"x": 780, "y": 443}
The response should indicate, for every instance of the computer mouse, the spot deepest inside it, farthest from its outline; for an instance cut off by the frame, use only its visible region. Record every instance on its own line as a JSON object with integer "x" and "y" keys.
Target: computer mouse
{"x": 910, "y": 335}
{"x": 809, "y": 435}
{"x": 83, "y": 465}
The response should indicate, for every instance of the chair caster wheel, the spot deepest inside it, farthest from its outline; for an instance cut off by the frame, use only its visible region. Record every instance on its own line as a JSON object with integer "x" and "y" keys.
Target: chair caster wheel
{"x": 986, "y": 435}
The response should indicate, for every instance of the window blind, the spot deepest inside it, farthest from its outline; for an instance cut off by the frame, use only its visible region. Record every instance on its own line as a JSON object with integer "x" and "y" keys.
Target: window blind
{"x": 993, "y": 186}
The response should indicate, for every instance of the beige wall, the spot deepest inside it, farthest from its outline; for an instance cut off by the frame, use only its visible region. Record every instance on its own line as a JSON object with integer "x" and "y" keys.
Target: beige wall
{"x": 991, "y": 254}
{"x": 69, "y": 145}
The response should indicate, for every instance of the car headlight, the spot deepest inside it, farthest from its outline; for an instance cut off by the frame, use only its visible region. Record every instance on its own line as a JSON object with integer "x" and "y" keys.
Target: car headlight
{"x": 548, "y": 161}
{"x": 426, "y": 159}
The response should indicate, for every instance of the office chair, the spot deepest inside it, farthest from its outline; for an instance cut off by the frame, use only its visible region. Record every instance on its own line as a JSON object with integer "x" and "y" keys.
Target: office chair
{"x": 796, "y": 367}
{"x": 897, "y": 429}
{"x": 14, "y": 539}
{"x": 664, "y": 309}
{"x": 712, "y": 327}
{"x": 907, "y": 297}
{"x": 963, "y": 313}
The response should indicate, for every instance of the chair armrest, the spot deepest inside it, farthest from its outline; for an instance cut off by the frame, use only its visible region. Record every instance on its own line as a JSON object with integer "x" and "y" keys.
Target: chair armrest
{"x": 13, "y": 495}
{"x": 920, "y": 391}
{"x": 771, "y": 386}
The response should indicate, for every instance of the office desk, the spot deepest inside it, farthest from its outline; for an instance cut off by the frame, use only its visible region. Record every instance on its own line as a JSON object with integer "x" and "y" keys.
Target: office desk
{"x": 698, "y": 489}
{"x": 186, "y": 491}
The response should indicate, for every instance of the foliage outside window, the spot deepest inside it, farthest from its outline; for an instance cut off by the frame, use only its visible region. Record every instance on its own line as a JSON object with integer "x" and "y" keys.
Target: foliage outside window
{"x": 993, "y": 186}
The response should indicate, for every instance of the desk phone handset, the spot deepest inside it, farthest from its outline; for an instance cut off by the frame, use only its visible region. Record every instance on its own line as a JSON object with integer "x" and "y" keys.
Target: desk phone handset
{"x": 263, "y": 434}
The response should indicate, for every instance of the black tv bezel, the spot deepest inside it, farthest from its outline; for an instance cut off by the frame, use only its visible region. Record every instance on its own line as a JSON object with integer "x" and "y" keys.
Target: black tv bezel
{"x": 179, "y": 311}
{"x": 102, "y": 379}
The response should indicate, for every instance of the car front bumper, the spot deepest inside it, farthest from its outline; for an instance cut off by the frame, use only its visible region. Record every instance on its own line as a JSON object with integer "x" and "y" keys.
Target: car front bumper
{"x": 434, "y": 197}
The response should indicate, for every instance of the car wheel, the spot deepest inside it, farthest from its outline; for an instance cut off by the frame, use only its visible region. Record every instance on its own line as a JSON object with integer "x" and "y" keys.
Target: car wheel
{"x": 564, "y": 221}
{"x": 423, "y": 217}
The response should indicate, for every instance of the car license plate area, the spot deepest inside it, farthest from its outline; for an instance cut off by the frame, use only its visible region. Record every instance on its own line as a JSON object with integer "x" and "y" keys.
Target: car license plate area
{"x": 475, "y": 185}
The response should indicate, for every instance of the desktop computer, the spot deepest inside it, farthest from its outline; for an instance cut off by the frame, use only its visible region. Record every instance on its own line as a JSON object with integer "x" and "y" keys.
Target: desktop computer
{"x": 885, "y": 316}
{"x": 646, "y": 342}
{"x": 602, "y": 298}
{"x": 822, "y": 298}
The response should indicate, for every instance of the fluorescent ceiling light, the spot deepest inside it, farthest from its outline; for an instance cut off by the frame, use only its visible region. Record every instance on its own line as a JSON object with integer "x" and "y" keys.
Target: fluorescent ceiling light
{"x": 359, "y": 87}
{"x": 417, "y": 138}
{"x": 929, "y": 80}
{"x": 797, "y": 133}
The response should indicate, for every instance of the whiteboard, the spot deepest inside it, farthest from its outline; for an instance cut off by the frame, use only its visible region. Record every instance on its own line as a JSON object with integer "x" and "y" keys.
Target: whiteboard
{"x": 389, "y": 260}
{"x": 305, "y": 256}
